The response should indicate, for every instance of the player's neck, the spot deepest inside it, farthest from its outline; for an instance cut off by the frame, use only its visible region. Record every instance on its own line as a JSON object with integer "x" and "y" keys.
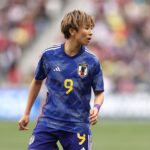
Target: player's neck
{"x": 71, "y": 48}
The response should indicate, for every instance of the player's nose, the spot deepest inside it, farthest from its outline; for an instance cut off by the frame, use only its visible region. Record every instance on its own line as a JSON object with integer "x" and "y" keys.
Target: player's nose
{"x": 90, "y": 32}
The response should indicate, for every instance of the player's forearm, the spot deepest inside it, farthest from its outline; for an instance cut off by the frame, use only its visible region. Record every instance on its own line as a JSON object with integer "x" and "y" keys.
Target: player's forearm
{"x": 99, "y": 98}
{"x": 33, "y": 92}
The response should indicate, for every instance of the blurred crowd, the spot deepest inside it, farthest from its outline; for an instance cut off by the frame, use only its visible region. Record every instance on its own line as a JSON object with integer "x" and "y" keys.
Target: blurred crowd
{"x": 21, "y": 21}
{"x": 121, "y": 38}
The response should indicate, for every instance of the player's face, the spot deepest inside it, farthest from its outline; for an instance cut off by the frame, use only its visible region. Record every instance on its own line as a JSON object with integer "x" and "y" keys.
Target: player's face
{"x": 84, "y": 35}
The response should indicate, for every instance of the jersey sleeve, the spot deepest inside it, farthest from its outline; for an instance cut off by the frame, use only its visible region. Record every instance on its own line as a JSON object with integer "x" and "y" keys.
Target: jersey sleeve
{"x": 97, "y": 82}
{"x": 41, "y": 69}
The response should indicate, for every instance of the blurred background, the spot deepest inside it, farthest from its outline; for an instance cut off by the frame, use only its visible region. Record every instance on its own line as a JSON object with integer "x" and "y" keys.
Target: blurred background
{"x": 121, "y": 41}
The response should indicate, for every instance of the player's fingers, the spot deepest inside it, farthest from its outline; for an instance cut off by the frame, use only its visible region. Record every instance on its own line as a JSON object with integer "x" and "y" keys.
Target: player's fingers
{"x": 22, "y": 125}
{"x": 93, "y": 122}
{"x": 93, "y": 119}
{"x": 93, "y": 115}
{"x": 91, "y": 112}
{"x": 25, "y": 128}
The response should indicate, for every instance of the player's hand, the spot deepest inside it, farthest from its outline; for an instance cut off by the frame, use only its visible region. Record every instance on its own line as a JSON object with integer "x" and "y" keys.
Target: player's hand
{"x": 23, "y": 122}
{"x": 93, "y": 116}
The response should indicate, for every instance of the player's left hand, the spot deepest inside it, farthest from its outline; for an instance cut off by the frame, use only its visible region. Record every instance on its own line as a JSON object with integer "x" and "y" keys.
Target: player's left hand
{"x": 93, "y": 116}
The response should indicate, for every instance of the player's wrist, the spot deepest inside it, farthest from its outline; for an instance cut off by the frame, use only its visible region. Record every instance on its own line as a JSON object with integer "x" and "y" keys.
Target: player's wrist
{"x": 98, "y": 106}
{"x": 27, "y": 114}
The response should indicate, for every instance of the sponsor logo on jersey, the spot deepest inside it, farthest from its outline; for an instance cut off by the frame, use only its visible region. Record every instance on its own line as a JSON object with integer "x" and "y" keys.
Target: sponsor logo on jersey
{"x": 82, "y": 70}
{"x": 57, "y": 69}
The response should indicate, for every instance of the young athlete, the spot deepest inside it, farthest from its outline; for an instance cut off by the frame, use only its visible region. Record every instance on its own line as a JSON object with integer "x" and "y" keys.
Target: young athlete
{"x": 70, "y": 71}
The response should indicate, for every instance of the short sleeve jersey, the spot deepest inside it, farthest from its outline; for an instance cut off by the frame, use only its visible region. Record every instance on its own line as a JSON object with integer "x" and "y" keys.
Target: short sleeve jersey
{"x": 69, "y": 80}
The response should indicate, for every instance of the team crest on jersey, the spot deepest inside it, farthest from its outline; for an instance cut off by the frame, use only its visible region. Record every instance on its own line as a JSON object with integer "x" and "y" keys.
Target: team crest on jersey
{"x": 82, "y": 70}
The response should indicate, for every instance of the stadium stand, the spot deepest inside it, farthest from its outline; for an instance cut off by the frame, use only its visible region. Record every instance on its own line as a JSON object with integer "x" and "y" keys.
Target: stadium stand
{"x": 21, "y": 23}
{"x": 120, "y": 40}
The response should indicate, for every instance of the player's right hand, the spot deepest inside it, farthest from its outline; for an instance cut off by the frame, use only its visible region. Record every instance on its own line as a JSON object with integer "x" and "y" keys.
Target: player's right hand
{"x": 23, "y": 122}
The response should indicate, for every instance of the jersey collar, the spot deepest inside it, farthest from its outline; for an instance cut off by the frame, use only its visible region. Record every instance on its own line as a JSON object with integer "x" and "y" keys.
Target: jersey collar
{"x": 78, "y": 54}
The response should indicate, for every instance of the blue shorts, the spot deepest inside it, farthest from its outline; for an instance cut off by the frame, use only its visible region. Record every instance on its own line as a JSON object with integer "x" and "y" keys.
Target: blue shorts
{"x": 45, "y": 138}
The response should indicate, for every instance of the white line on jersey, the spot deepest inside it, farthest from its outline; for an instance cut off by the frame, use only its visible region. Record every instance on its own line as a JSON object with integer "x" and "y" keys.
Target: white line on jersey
{"x": 88, "y": 51}
{"x": 53, "y": 47}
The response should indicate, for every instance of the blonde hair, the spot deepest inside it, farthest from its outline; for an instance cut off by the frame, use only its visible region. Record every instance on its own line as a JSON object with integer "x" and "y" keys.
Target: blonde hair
{"x": 75, "y": 20}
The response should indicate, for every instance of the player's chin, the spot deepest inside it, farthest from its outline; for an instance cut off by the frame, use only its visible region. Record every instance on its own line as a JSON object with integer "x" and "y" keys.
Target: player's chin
{"x": 86, "y": 42}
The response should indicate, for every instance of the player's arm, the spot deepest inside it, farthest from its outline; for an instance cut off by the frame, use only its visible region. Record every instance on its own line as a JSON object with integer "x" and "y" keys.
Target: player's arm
{"x": 33, "y": 92}
{"x": 99, "y": 98}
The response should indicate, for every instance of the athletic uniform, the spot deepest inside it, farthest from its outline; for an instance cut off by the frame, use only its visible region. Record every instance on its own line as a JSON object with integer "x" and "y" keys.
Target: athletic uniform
{"x": 65, "y": 115}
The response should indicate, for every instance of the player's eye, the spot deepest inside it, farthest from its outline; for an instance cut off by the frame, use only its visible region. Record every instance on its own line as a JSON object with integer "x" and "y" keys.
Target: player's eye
{"x": 87, "y": 27}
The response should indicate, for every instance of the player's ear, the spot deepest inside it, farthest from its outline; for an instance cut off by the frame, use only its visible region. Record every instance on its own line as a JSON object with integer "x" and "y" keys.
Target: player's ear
{"x": 72, "y": 31}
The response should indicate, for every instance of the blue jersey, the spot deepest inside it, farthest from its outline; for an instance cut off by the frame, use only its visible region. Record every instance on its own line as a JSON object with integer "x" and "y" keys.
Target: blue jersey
{"x": 69, "y": 80}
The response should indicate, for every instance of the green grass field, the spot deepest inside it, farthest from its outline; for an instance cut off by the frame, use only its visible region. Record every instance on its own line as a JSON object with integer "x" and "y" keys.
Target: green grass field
{"x": 107, "y": 135}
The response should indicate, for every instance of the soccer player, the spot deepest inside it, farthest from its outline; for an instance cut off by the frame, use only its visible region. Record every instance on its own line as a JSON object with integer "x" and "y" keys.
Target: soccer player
{"x": 70, "y": 71}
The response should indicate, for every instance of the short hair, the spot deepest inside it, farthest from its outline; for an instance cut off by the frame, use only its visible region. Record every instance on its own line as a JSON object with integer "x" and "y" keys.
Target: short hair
{"x": 75, "y": 20}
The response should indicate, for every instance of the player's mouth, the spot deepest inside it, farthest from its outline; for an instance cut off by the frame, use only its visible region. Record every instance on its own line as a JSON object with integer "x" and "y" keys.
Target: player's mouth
{"x": 89, "y": 39}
